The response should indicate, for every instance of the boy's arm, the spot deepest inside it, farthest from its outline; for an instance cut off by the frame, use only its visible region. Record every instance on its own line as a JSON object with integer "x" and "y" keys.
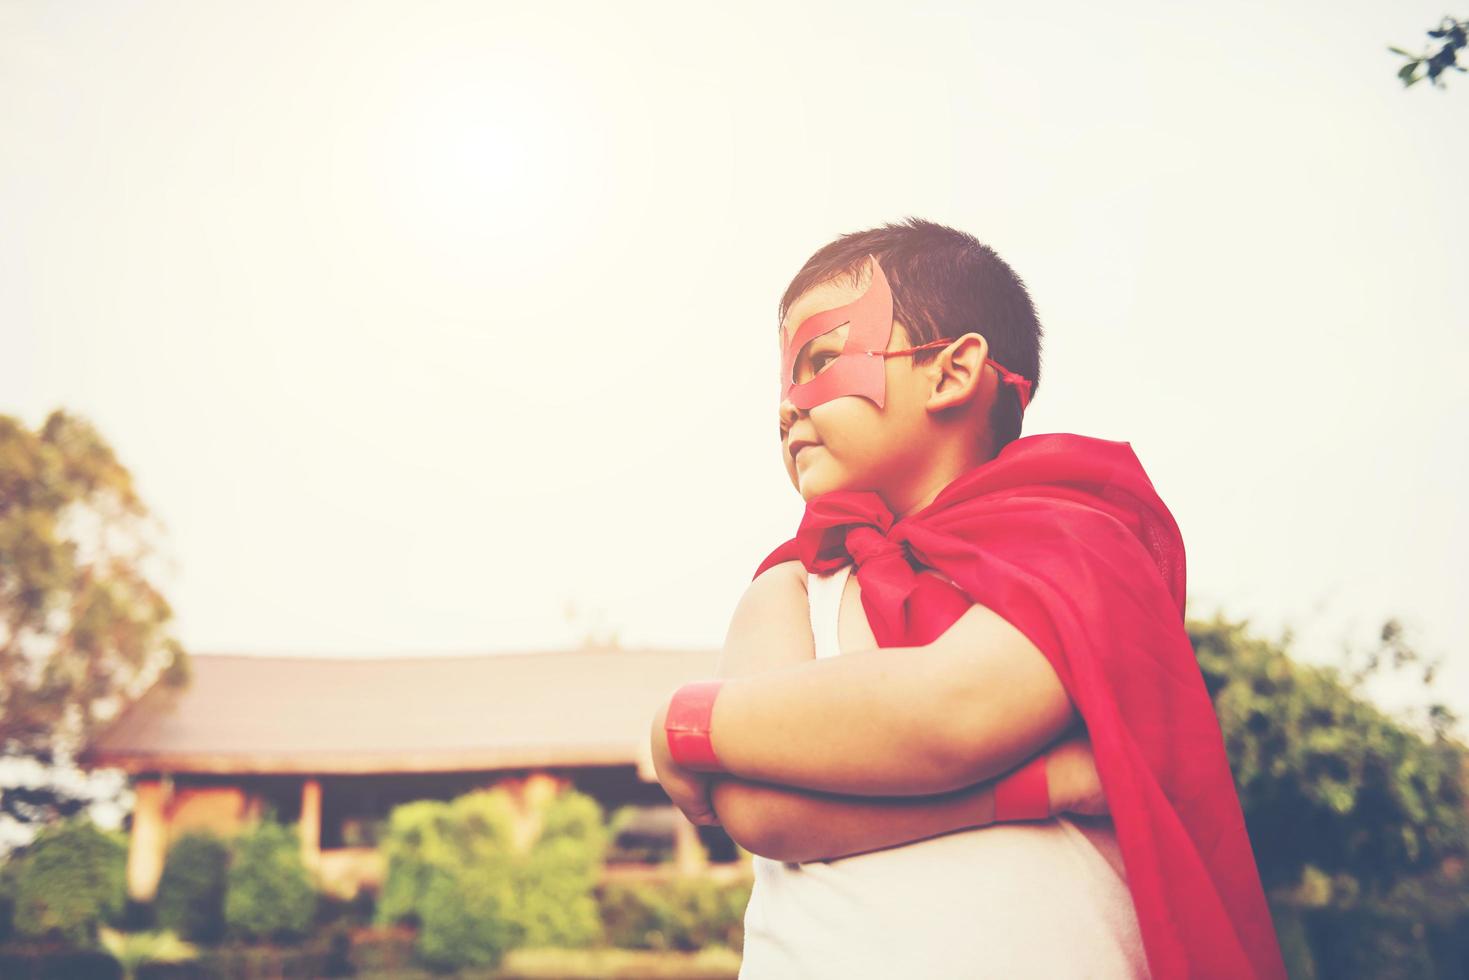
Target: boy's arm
{"x": 786, "y": 824}
{"x": 771, "y": 629}
{"x": 884, "y": 722}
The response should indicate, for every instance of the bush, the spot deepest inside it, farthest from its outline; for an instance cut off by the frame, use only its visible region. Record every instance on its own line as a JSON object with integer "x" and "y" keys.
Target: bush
{"x": 448, "y": 871}
{"x": 556, "y": 883}
{"x": 71, "y": 879}
{"x": 268, "y": 893}
{"x": 354, "y": 912}
{"x": 684, "y": 914}
{"x": 1418, "y": 928}
{"x": 459, "y": 872}
{"x": 7, "y": 899}
{"x": 381, "y": 951}
{"x": 419, "y": 839}
{"x": 466, "y": 915}
{"x": 134, "y": 949}
{"x": 257, "y": 962}
{"x": 59, "y": 964}
{"x": 1327, "y": 779}
{"x": 191, "y": 891}
{"x": 173, "y": 971}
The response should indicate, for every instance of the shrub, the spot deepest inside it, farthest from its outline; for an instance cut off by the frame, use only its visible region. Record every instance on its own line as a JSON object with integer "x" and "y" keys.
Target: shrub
{"x": 1326, "y": 778}
{"x": 383, "y": 951}
{"x": 266, "y": 962}
{"x": 419, "y": 839}
{"x": 7, "y": 898}
{"x": 355, "y": 912}
{"x": 684, "y": 914}
{"x": 71, "y": 879}
{"x": 191, "y": 891}
{"x": 134, "y": 949}
{"x": 458, "y": 870}
{"x": 556, "y": 882}
{"x": 466, "y": 915}
{"x": 58, "y": 964}
{"x": 1420, "y": 928}
{"x": 448, "y": 870}
{"x": 268, "y": 893}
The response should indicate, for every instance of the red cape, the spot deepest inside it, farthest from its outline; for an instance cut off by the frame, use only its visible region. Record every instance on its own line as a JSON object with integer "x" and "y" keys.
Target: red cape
{"x": 1064, "y": 537}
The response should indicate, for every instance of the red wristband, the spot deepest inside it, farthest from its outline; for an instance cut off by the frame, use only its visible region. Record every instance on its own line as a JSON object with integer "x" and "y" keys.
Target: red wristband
{"x": 687, "y": 726}
{"x": 1024, "y": 794}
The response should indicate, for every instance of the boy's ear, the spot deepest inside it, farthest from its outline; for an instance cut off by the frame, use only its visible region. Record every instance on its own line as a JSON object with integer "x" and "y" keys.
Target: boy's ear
{"x": 960, "y": 370}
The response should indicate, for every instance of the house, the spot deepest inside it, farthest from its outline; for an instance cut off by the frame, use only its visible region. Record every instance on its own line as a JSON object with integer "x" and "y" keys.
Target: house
{"x": 332, "y": 744}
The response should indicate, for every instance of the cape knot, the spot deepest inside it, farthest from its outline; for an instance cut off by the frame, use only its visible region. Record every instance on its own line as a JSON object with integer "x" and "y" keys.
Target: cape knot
{"x": 865, "y": 543}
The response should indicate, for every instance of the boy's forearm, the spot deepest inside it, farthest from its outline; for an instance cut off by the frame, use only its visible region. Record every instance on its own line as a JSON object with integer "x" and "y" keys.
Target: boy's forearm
{"x": 788, "y": 824}
{"x": 892, "y": 722}
{"x": 869, "y": 722}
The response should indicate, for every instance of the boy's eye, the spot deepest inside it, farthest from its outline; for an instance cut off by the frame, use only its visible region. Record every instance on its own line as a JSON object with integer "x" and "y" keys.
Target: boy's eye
{"x": 818, "y": 354}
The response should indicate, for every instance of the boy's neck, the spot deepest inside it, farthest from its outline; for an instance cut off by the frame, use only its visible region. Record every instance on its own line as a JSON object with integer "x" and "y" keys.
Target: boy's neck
{"x": 944, "y": 467}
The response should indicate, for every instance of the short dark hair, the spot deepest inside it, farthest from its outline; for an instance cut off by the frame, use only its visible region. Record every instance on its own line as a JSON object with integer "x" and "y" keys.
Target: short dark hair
{"x": 945, "y": 283}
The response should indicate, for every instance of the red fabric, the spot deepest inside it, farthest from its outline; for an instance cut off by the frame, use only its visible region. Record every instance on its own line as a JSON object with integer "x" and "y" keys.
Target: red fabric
{"x": 686, "y": 726}
{"x": 1064, "y": 537}
{"x": 1024, "y": 794}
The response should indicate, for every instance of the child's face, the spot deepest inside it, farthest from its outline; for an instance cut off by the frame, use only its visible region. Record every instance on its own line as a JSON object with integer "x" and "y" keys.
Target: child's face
{"x": 848, "y": 443}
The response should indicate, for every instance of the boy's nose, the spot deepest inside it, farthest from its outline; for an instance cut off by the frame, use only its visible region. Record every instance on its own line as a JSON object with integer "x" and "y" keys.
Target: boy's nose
{"x": 788, "y": 415}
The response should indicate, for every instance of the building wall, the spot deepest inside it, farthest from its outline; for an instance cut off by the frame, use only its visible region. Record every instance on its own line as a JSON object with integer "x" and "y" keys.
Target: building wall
{"x": 224, "y": 810}
{"x": 167, "y": 808}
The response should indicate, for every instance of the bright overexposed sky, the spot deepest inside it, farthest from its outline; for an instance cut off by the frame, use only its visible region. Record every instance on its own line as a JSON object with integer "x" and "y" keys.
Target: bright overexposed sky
{"x": 421, "y": 323}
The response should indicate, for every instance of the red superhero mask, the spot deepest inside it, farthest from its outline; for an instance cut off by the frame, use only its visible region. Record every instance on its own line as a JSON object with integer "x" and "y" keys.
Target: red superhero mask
{"x": 842, "y": 351}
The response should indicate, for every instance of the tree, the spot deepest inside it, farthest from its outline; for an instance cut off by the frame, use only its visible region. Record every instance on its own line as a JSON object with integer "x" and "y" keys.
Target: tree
{"x": 83, "y": 631}
{"x": 1327, "y": 780}
{"x": 1452, "y": 35}
{"x": 69, "y": 881}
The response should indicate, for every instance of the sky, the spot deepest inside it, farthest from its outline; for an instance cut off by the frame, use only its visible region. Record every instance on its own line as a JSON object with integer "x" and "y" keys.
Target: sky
{"x": 449, "y": 327}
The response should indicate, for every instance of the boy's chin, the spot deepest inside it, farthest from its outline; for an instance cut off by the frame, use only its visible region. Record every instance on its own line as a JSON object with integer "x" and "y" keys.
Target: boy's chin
{"x": 811, "y": 489}
{"x": 813, "y": 484}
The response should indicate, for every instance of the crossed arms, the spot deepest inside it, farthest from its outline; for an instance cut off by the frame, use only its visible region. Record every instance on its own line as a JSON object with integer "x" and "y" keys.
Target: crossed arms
{"x": 874, "y": 748}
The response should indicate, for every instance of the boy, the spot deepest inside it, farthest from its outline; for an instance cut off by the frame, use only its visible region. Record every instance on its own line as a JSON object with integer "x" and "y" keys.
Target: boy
{"x": 1014, "y": 589}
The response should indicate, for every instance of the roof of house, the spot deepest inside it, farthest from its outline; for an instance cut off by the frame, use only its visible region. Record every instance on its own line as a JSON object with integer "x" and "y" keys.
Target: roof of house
{"x": 258, "y": 714}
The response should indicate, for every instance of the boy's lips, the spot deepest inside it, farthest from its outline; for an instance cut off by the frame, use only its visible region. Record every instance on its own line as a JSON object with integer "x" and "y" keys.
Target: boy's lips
{"x": 799, "y": 445}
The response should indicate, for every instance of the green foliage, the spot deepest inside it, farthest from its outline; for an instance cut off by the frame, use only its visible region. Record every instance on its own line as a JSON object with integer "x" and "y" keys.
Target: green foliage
{"x": 268, "y": 893}
{"x": 1452, "y": 35}
{"x": 467, "y": 910}
{"x": 7, "y": 897}
{"x": 467, "y": 917}
{"x": 683, "y": 914}
{"x": 1326, "y": 779}
{"x": 419, "y": 840}
{"x": 556, "y": 881}
{"x": 459, "y": 870}
{"x": 191, "y": 891}
{"x": 1295, "y": 944}
{"x": 1419, "y": 928}
{"x": 83, "y": 626}
{"x": 70, "y": 880}
{"x": 133, "y": 949}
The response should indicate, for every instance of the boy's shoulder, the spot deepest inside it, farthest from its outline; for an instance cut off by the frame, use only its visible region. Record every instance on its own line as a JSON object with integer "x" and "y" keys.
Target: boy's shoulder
{"x": 782, "y": 574}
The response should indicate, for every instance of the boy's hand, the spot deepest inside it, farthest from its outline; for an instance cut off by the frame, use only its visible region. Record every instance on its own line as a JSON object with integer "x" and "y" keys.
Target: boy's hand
{"x": 689, "y": 790}
{"x": 1071, "y": 776}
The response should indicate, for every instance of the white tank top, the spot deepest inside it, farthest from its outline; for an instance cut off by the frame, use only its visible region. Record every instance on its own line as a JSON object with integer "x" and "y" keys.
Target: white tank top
{"x": 1042, "y": 899}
